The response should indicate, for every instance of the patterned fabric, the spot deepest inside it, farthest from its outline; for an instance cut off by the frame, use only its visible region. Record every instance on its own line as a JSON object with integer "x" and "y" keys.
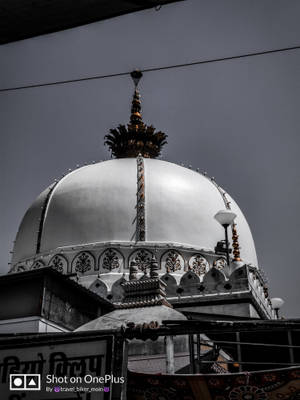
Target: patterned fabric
{"x": 263, "y": 385}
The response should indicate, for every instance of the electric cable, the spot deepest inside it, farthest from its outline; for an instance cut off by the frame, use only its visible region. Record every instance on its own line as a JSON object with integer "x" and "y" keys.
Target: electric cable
{"x": 152, "y": 69}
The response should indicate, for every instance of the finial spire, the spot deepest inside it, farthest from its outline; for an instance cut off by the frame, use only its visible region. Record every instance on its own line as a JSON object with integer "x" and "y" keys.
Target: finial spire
{"x": 235, "y": 244}
{"x": 137, "y": 138}
{"x": 154, "y": 267}
{"x": 136, "y": 75}
{"x": 133, "y": 270}
{"x": 136, "y": 117}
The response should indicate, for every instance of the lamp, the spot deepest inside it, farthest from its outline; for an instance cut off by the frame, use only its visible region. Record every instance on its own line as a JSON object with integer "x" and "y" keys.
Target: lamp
{"x": 225, "y": 218}
{"x": 277, "y": 303}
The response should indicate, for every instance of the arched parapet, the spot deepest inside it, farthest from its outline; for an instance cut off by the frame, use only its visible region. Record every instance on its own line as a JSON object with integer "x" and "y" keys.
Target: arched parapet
{"x": 20, "y": 268}
{"x": 141, "y": 258}
{"x": 59, "y": 263}
{"x": 190, "y": 282}
{"x": 199, "y": 265}
{"x": 172, "y": 261}
{"x": 214, "y": 281}
{"x": 239, "y": 278}
{"x": 220, "y": 263}
{"x": 37, "y": 264}
{"x": 83, "y": 262}
{"x": 111, "y": 260}
{"x": 99, "y": 287}
{"x": 117, "y": 291}
{"x": 170, "y": 281}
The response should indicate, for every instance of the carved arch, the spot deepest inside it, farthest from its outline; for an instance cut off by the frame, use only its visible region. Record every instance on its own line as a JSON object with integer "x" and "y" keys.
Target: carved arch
{"x": 59, "y": 263}
{"x": 172, "y": 261}
{"x": 190, "y": 282}
{"x": 111, "y": 260}
{"x": 83, "y": 262}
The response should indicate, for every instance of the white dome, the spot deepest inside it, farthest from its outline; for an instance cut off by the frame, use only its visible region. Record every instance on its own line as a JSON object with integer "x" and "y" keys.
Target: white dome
{"x": 97, "y": 204}
{"x": 138, "y": 315}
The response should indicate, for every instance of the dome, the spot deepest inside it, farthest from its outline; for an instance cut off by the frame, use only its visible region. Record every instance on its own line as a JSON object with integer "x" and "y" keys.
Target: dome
{"x": 97, "y": 205}
{"x": 118, "y": 318}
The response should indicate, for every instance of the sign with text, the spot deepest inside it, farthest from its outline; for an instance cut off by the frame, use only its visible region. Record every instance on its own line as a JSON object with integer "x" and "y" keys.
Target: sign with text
{"x": 65, "y": 367}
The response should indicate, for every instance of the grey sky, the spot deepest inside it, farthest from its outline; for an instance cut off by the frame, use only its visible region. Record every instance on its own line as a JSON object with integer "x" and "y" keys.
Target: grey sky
{"x": 238, "y": 120}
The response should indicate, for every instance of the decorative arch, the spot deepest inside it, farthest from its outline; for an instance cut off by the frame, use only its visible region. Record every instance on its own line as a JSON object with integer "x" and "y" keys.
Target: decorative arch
{"x": 214, "y": 280}
{"x": 111, "y": 260}
{"x": 198, "y": 264}
{"x": 142, "y": 258}
{"x": 20, "y": 268}
{"x": 83, "y": 262}
{"x": 220, "y": 263}
{"x": 37, "y": 264}
{"x": 117, "y": 291}
{"x": 239, "y": 273}
{"x": 190, "y": 282}
{"x": 59, "y": 262}
{"x": 172, "y": 261}
{"x": 170, "y": 281}
{"x": 99, "y": 288}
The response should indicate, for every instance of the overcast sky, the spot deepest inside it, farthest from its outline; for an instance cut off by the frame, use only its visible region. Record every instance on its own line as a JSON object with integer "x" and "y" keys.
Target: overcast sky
{"x": 238, "y": 120}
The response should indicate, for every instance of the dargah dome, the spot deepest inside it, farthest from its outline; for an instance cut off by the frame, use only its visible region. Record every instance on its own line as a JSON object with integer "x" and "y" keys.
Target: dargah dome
{"x": 102, "y": 218}
{"x": 96, "y": 206}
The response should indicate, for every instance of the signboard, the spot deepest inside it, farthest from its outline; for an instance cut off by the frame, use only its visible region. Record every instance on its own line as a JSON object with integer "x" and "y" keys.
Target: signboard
{"x": 65, "y": 367}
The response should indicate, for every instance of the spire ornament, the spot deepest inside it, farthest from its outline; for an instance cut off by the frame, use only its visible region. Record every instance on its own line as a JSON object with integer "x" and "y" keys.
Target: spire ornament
{"x": 135, "y": 138}
{"x": 235, "y": 244}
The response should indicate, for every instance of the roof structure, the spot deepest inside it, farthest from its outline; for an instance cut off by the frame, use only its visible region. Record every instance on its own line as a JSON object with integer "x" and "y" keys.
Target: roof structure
{"x": 23, "y": 19}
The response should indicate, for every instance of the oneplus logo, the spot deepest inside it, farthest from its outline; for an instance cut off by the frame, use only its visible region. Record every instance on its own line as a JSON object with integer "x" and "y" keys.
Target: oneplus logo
{"x": 25, "y": 382}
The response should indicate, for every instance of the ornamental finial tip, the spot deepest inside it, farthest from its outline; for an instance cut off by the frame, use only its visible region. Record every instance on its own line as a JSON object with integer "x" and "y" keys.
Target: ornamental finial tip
{"x": 135, "y": 138}
{"x": 136, "y": 75}
{"x": 235, "y": 244}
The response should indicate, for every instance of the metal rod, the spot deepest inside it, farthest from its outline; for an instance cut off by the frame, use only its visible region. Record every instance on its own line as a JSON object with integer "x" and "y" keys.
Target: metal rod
{"x": 198, "y": 353}
{"x": 170, "y": 366}
{"x": 250, "y": 344}
{"x": 291, "y": 349}
{"x": 251, "y": 363}
{"x": 239, "y": 351}
{"x": 192, "y": 354}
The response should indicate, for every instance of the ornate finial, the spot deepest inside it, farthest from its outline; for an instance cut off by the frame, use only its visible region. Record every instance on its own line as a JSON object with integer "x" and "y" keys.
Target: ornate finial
{"x": 235, "y": 244}
{"x": 154, "y": 267}
{"x": 136, "y": 117}
{"x": 136, "y": 75}
{"x": 146, "y": 291}
{"x": 137, "y": 137}
{"x": 133, "y": 270}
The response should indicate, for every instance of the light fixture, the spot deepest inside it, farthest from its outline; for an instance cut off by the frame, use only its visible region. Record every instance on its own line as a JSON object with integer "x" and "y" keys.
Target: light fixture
{"x": 225, "y": 218}
{"x": 277, "y": 303}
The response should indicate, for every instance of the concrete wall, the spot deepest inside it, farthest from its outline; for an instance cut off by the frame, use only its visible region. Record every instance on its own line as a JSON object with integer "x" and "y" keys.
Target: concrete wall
{"x": 30, "y": 325}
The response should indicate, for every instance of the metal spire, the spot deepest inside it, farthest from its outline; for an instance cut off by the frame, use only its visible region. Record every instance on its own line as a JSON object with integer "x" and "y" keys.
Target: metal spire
{"x": 135, "y": 138}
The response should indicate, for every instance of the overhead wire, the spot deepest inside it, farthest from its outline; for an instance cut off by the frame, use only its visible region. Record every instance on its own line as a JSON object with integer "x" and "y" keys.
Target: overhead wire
{"x": 152, "y": 69}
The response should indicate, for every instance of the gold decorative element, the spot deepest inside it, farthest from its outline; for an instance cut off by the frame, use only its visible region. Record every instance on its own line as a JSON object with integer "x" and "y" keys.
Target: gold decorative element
{"x": 137, "y": 138}
{"x": 141, "y": 218}
{"x": 235, "y": 244}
